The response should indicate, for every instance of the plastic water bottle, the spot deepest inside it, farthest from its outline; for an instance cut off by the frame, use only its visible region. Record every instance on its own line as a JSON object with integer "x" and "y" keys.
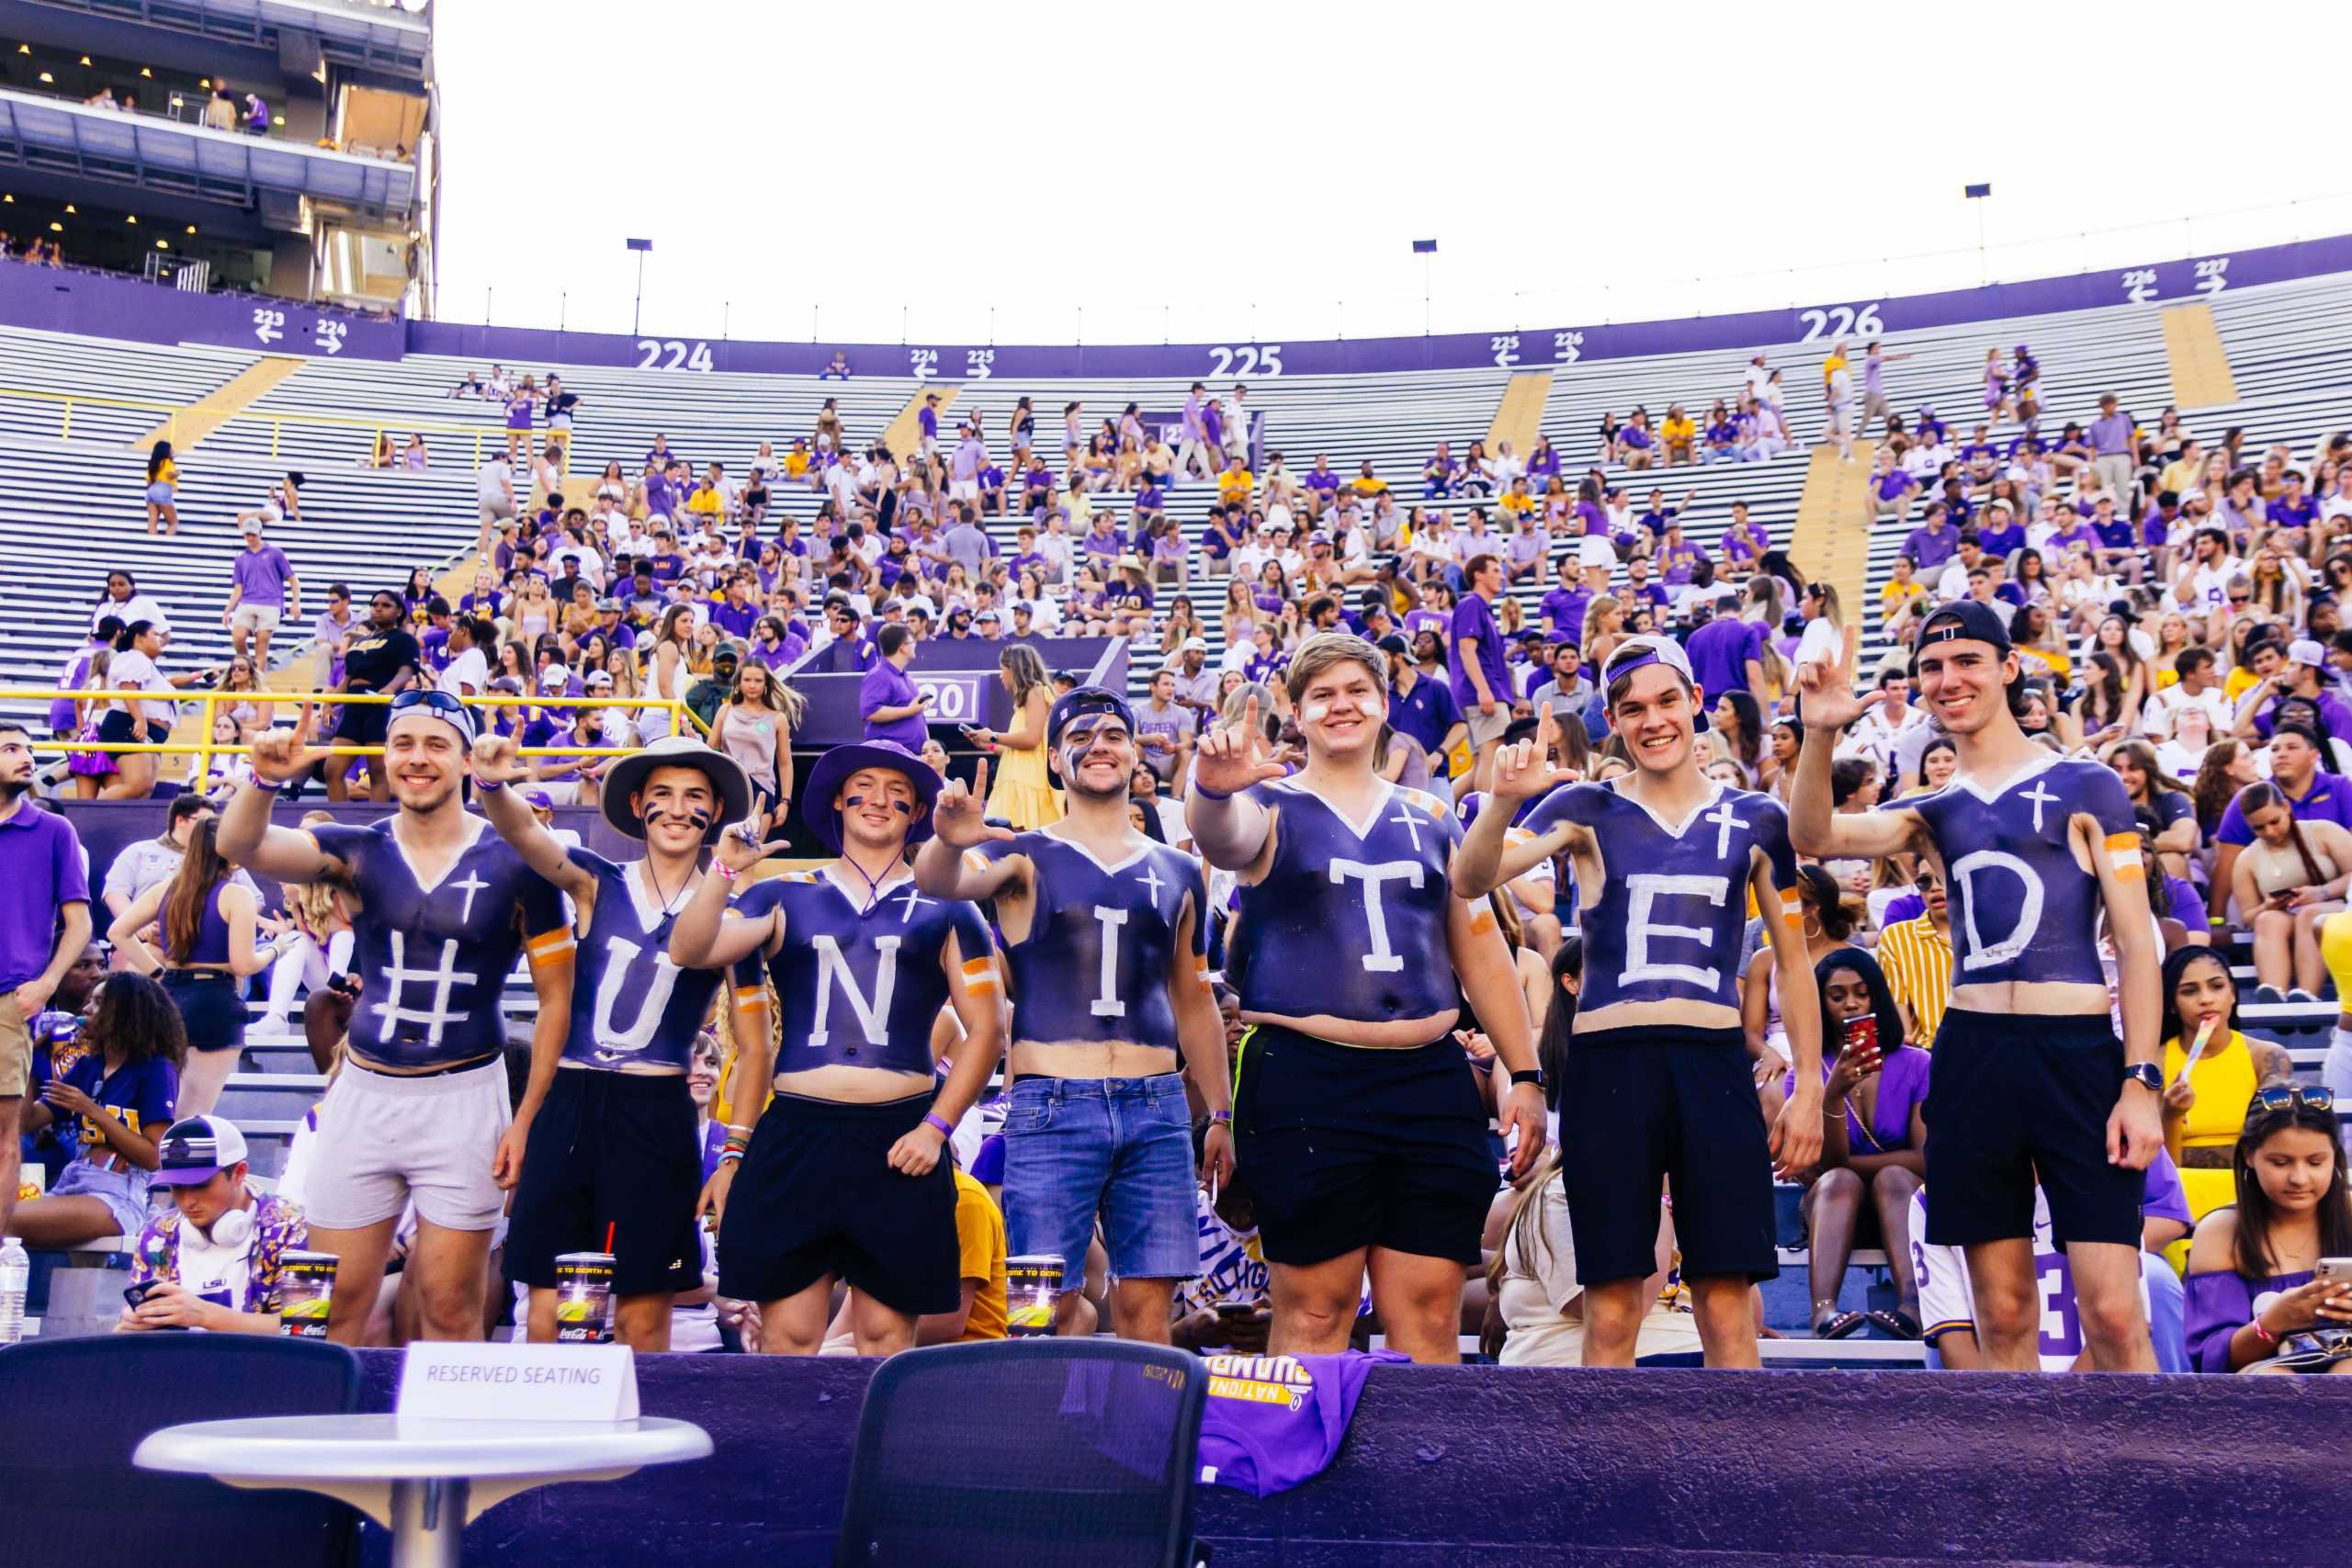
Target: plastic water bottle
{"x": 15, "y": 1275}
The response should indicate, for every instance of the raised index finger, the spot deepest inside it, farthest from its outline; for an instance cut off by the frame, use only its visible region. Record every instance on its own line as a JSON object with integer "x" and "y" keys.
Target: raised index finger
{"x": 1253, "y": 728}
{"x": 1853, "y": 650}
{"x": 980, "y": 780}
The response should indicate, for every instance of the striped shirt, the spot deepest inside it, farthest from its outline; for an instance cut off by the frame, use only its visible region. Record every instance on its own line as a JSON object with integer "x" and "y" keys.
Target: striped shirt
{"x": 1918, "y": 961}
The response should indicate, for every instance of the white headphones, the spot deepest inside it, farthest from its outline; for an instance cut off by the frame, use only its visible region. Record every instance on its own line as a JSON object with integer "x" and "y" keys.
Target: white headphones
{"x": 233, "y": 1229}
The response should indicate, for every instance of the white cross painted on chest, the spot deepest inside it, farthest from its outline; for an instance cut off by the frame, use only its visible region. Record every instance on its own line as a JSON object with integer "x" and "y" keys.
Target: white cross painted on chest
{"x": 472, "y": 884}
{"x": 913, "y": 898}
{"x": 1412, "y": 825}
{"x": 2040, "y": 796}
{"x": 1725, "y": 822}
{"x": 1151, "y": 879}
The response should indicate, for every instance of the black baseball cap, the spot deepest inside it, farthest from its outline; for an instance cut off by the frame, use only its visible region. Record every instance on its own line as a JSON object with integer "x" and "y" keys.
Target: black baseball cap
{"x": 1965, "y": 620}
{"x": 1962, "y": 620}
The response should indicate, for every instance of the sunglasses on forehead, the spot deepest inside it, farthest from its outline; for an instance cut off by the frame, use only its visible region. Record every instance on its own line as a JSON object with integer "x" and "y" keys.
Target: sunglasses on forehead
{"x": 2287, "y": 1097}
{"x": 439, "y": 702}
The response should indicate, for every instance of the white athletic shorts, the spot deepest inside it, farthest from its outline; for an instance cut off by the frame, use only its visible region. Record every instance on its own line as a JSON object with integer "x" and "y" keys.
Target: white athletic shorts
{"x": 384, "y": 1140}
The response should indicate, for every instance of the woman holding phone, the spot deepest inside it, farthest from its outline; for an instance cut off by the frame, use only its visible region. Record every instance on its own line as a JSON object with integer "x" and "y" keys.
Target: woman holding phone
{"x": 2269, "y": 1286}
{"x": 1024, "y": 793}
{"x": 1874, "y": 1137}
{"x": 2291, "y": 876}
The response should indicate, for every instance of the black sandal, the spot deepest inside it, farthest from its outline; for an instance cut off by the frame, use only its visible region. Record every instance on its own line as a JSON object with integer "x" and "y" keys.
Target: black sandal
{"x": 1895, "y": 1322}
{"x": 1843, "y": 1326}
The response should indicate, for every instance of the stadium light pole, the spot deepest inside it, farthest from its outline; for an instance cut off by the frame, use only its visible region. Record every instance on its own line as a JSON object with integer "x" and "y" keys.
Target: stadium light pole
{"x": 1980, "y": 193}
{"x": 1425, "y": 249}
{"x": 637, "y": 315}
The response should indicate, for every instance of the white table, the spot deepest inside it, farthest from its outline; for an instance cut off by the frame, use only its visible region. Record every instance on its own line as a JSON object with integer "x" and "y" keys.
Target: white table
{"x": 422, "y": 1480}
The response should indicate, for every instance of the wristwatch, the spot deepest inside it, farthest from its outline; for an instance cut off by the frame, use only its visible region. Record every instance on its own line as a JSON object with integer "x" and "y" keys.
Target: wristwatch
{"x": 1530, "y": 1075}
{"x": 2147, "y": 1075}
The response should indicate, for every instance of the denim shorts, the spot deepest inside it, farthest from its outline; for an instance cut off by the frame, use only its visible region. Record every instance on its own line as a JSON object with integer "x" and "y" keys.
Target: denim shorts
{"x": 124, "y": 1192}
{"x": 1120, "y": 1148}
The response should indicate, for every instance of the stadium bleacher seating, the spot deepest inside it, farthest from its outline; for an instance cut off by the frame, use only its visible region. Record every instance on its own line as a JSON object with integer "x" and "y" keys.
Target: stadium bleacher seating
{"x": 2287, "y": 345}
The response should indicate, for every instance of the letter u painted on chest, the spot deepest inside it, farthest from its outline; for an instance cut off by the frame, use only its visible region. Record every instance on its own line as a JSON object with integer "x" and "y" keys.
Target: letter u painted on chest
{"x": 620, "y": 953}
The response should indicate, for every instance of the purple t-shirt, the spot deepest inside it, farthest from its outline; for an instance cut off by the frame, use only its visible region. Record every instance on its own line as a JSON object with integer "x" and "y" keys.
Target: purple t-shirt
{"x": 2329, "y": 800}
{"x": 1929, "y": 548}
{"x": 1719, "y": 652}
{"x": 1273, "y": 1422}
{"x": 888, "y": 686}
{"x": 261, "y": 574}
{"x": 2333, "y": 711}
{"x": 1474, "y": 619}
{"x": 41, "y": 864}
{"x": 2000, "y": 539}
{"x": 1564, "y": 608}
{"x": 2299, "y": 512}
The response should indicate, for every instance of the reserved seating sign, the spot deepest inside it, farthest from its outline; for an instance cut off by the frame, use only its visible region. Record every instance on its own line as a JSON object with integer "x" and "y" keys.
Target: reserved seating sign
{"x": 519, "y": 1382}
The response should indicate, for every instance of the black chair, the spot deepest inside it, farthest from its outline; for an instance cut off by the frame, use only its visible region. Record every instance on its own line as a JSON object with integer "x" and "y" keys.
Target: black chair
{"x": 1036, "y": 1453}
{"x": 73, "y": 1409}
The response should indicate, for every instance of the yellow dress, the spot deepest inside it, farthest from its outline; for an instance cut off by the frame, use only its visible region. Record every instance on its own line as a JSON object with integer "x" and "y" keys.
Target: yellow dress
{"x": 1021, "y": 789}
{"x": 2224, "y": 1082}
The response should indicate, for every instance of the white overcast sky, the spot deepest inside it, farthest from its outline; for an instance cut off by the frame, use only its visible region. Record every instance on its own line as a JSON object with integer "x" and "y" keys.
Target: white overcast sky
{"x": 1219, "y": 173}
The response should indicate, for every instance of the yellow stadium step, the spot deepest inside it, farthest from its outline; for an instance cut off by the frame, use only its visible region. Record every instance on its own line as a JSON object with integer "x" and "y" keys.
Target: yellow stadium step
{"x": 458, "y": 580}
{"x": 215, "y": 409}
{"x": 2201, "y": 367}
{"x": 905, "y": 432}
{"x": 1518, "y": 418}
{"x": 1832, "y": 540}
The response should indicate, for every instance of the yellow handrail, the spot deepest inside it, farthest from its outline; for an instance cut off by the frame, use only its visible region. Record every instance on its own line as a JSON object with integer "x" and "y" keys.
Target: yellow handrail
{"x": 208, "y": 748}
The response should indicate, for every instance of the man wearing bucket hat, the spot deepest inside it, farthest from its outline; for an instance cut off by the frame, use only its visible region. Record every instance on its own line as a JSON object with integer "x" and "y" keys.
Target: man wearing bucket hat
{"x": 213, "y": 1259}
{"x": 1657, "y": 1084}
{"x": 613, "y": 1164}
{"x": 1107, "y": 935}
{"x": 2029, "y": 1082}
{"x": 842, "y": 1178}
{"x": 442, "y": 906}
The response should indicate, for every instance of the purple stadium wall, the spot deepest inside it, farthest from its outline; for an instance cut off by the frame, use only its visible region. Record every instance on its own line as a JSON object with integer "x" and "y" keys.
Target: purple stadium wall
{"x": 101, "y": 306}
{"x": 1542, "y": 1469}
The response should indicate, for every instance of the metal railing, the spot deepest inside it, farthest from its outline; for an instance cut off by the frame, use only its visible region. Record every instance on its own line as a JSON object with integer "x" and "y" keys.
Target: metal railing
{"x": 310, "y": 703}
{"x": 377, "y": 429}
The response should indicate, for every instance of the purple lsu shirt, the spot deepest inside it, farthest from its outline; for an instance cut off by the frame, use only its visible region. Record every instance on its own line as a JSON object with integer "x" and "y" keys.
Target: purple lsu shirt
{"x": 1274, "y": 1421}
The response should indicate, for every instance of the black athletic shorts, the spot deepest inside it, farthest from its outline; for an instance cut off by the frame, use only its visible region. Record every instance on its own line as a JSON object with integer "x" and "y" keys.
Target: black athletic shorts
{"x": 363, "y": 724}
{"x": 1643, "y": 1110}
{"x": 2014, "y": 1097}
{"x": 1346, "y": 1146}
{"x": 617, "y": 1150}
{"x": 212, "y": 1007}
{"x": 815, "y": 1196}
